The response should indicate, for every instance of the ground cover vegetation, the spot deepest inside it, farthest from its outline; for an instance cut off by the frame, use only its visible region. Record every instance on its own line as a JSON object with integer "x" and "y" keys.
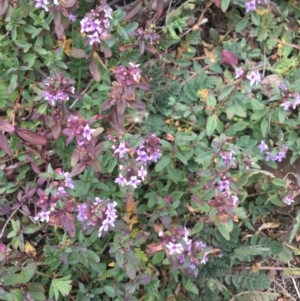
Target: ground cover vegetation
{"x": 149, "y": 150}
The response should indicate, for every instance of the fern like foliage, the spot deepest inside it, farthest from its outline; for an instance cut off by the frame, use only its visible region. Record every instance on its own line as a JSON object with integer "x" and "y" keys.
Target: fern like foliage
{"x": 257, "y": 296}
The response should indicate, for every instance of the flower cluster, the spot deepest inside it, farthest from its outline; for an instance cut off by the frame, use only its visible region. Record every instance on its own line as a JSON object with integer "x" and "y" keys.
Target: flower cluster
{"x": 288, "y": 200}
{"x": 66, "y": 7}
{"x": 47, "y": 202}
{"x": 290, "y": 99}
{"x": 57, "y": 88}
{"x": 277, "y": 154}
{"x": 251, "y": 5}
{"x": 99, "y": 214}
{"x": 135, "y": 170}
{"x": 96, "y": 24}
{"x": 80, "y": 129}
{"x": 254, "y": 76}
{"x": 146, "y": 34}
{"x": 183, "y": 252}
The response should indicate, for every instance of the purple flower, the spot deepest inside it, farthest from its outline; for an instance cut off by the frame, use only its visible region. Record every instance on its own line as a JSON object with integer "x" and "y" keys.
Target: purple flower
{"x": 134, "y": 181}
{"x": 288, "y": 201}
{"x": 121, "y": 180}
{"x": 43, "y": 216}
{"x": 174, "y": 248}
{"x": 142, "y": 156}
{"x": 204, "y": 259}
{"x": 68, "y": 180}
{"x": 238, "y": 72}
{"x": 111, "y": 215}
{"x": 282, "y": 152}
{"x": 94, "y": 38}
{"x": 155, "y": 156}
{"x": 296, "y": 101}
{"x": 254, "y": 77}
{"x": 81, "y": 212}
{"x": 42, "y": 4}
{"x": 72, "y": 17}
{"x": 142, "y": 173}
{"x": 263, "y": 146}
{"x": 87, "y": 132}
{"x": 271, "y": 157}
{"x": 181, "y": 259}
{"x": 121, "y": 150}
{"x": 283, "y": 87}
{"x": 192, "y": 266}
{"x": 224, "y": 185}
{"x": 286, "y": 105}
{"x": 251, "y": 5}
{"x": 234, "y": 200}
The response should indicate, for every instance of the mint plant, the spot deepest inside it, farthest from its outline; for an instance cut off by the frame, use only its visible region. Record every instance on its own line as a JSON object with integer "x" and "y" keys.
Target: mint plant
{"x": 148, "y": 150}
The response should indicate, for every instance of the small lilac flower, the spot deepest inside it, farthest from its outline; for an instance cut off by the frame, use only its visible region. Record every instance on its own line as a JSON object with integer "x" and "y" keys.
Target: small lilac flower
{"x": 204, "y": 259}
{"x": 251, "y": 5}
{"x": 296, "y": 101}
{"x": 68, "y": 180}
{"x": 286, "y": 105}
{"x": 192, "y": 266}
{"x": 238, "y": 72}
{"x": 174, "y": 248}
{"x": 181, "y": 259}
{"x": 87, "y": 132}
{"x": 142, "y": 173}
{"x": 282, "y": 152}
{"x": 42, "y": 4}
{"x": 43, "y": 216}
{"x": 288, "y": 201}
{"x": 72, "y": 17}
{"x": 235, "y": 200}
{"x": 94, "y": 38}
{"x": 81, "y": 212}
{"x": 121, "y": 180}
{"x": 134, "y": 181}
{"x": 142, "y": 156}
{"x": 155, "y": 156}
{"x": 271, "y": 157}
{"x": 254, "y": 77}
{"x": 224, "y": 185}
{"x": 283, "y": 87}
{"x": 121, "y": 150}
{"x": 263, "y": 146}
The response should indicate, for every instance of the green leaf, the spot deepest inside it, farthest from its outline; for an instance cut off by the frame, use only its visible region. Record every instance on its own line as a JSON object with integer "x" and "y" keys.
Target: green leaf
{"x": 162, "y": 164}
{"x": 174, "y": 174}
{"x": 264, "y": 127}
{"x": 224, "y": 231}
{"x": 225, "y": 5}
{"x": 130, "y": 269}
{"x": 279, "y": 182}
{"x": 28, "y": 272}
{"x": 181, "y": 158}
{"x": 110, "y": 291}
{"x": 211, "y": 125}
{"x": 226, "y": 92}
{"x": 158, "y": 257}
{"x": 129, "y": 28}
{"x": 60, "y": 286}
{"x": 191, "y": 287}
{"x": 242, "y": 25}
{"x": 255, "y": 17}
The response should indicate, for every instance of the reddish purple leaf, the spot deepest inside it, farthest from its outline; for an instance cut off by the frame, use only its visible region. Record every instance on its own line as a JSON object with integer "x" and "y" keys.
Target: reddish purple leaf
{"x": 78, "y": 53}
{"x": 150, "y": 48}
{"x": 6, "y": 126}
{"x": 106, "y": 105}
{"x": 137, "y": 105}
{"x": 121, "y": 107}
{"x": 31, "y": 137}
{"x": 56, "y": 130}
{"x": 95, "y": 164}
{"x": 95, "y": 71}
{"x": 4, "y": 144}
{"x": 70, "y": 3}
{"x": 75, "y": 158}
{"x": 3, "y": 7}
{"x": 77, "y": 169}
{"x": 133, "y": 10}
{"x": 160, "y": 8}
{"x": 69, "y": 224}
{"x": 229, "y": 58}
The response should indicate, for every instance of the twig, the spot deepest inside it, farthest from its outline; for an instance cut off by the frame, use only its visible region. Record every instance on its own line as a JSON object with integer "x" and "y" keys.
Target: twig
{"x": 295, "y": 285}
{"x": 8, "y": 220}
